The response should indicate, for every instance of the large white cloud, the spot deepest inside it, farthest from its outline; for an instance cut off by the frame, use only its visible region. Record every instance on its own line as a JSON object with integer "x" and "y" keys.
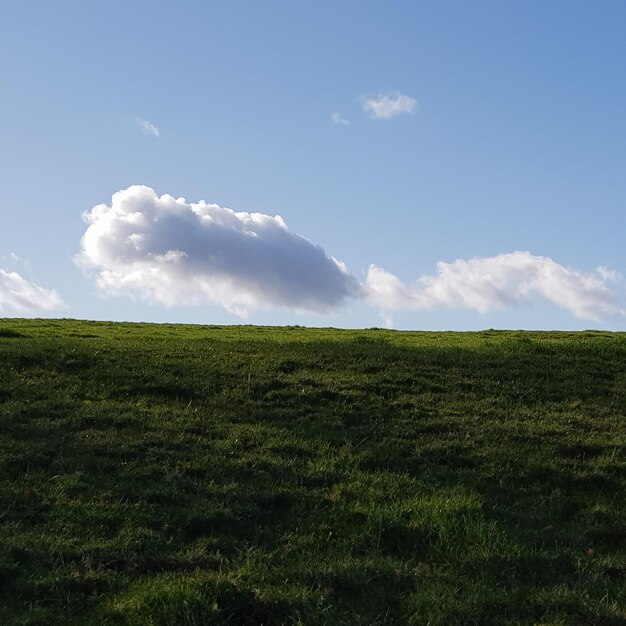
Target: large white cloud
{"x": 174, "y": 252}
{"x": 507, "y": 280}
{"x": 18, "y": 294}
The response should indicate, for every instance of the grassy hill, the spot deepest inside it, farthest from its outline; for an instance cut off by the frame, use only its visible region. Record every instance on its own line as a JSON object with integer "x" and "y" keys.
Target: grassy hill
{"x": 162, "y": 474}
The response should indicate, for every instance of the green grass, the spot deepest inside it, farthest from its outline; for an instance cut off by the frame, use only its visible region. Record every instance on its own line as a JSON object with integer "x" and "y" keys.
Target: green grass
{"x": 161, "y": 474}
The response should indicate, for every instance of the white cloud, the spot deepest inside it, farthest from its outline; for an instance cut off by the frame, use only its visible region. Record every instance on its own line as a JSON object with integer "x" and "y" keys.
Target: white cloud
{"x": 13, "y": 259}
{"x": 176, "y": 253}
{"x": 337, "y": 118}
{"x": 166, "y": 250}
{"x": 147, "y": 127}
{"x": 507, "y": 280}
{"x": 18, "y": 294}
{"x": 385, "y": 106}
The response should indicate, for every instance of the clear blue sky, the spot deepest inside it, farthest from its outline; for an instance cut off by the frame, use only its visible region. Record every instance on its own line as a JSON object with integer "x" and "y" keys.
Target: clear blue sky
{"x": 516, "y": 141}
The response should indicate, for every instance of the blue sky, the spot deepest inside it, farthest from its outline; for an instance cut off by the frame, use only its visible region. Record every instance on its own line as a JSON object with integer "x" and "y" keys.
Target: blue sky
{"x": 507, "y": 136}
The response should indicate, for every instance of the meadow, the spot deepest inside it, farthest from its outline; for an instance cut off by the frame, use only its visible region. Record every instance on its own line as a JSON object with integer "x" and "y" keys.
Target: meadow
{"x": 187, "y": 475}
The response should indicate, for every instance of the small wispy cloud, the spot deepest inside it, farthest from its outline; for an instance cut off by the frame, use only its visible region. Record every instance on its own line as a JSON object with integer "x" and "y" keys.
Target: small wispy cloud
{"x": 384, "y": 106}
{"x": 14, "y": 259}
{"x": 18, "y": 294}
{"x": 337, "y": 118}
{"x": 148, "y": 128}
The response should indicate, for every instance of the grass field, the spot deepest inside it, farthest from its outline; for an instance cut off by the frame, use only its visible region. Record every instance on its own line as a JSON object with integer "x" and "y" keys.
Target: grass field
{"x": 161, "y": 474}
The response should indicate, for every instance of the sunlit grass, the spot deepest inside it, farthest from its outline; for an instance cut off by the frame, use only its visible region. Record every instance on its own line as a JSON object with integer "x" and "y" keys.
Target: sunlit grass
{"x": 162, "y": 474}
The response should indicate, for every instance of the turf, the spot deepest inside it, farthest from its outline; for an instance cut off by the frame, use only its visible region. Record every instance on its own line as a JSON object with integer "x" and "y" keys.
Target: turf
{"x": 170, "y": 474}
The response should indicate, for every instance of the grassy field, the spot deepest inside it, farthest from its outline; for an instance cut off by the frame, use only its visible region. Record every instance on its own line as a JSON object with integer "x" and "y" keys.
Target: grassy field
{"x": 161, "y": 474}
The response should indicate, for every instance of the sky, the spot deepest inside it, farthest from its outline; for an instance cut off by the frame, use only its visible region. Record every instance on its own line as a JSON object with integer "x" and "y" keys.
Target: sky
{"x": 415, "y": 164}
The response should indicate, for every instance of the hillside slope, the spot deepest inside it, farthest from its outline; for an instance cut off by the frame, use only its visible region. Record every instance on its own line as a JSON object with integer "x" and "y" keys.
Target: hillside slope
{"x": 167, "y": 474}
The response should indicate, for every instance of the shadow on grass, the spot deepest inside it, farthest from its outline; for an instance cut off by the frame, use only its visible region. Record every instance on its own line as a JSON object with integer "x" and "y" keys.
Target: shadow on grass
{"x": 310, "y": 471}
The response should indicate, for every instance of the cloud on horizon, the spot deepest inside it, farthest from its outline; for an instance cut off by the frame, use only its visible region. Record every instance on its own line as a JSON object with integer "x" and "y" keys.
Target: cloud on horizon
{"x": 168, "y": 251}
{"x": 18, "y": 294}
{"x": 148, "y": 128}
{"x": 510, "y": 280}
{"x": 385, "y": 106}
